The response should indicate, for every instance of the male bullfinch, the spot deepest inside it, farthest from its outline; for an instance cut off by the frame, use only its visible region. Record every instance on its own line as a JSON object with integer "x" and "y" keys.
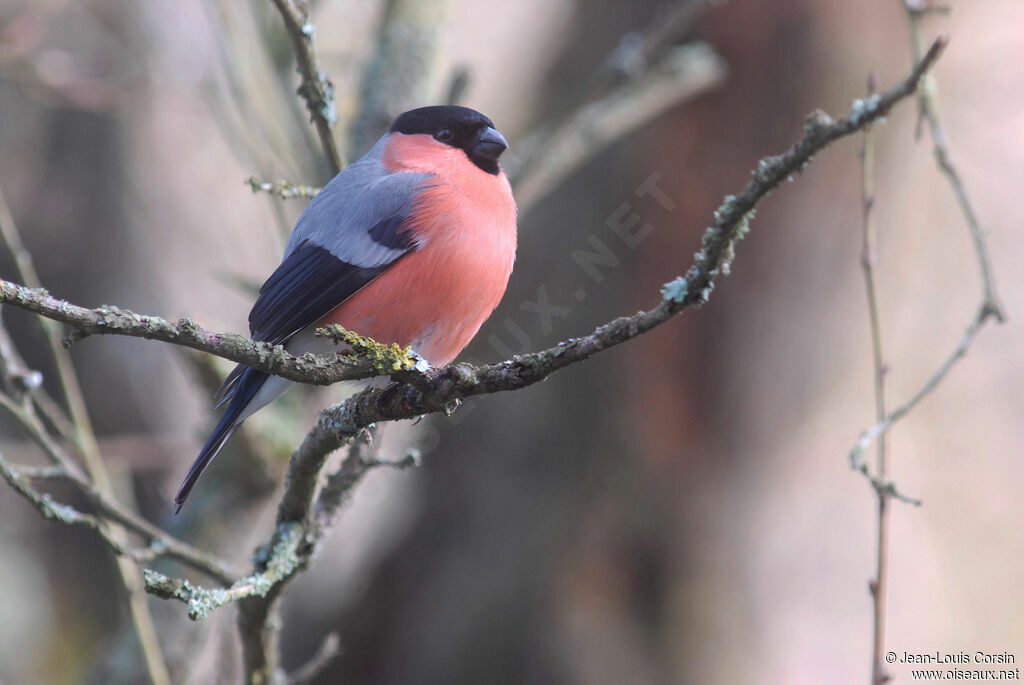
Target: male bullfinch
{"x": 412, "y": 244}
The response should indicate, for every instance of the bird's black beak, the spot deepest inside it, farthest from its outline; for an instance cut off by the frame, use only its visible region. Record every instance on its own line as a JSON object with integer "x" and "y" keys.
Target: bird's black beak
{"x": 489, "y": 145}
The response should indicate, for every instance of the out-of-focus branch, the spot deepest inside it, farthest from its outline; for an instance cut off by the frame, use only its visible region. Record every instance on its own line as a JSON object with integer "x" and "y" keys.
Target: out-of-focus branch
{"x": 158, "y": 543}
{"x": 642, "y": 77}
{"x": 990, "y": 307}
{"x": 884, "y": 488}
{"x": 400, "y": 73}
{"x": 328, "y": 652}
{"x": 683, "y": 73}
{"x": 316, "y": 89}
{"x": 879, "y": 586}
{"x": 286, "y": 190}
{"x": 84, "y": 439}
{"x": 929, "y": 112}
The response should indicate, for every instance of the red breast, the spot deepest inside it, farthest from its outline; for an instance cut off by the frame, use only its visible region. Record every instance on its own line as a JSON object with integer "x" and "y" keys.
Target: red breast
{"x": 436, "y": 298}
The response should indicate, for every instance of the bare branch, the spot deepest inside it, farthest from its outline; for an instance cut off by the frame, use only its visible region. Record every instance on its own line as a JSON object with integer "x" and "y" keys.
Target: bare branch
{"x": 160, "y": 543}
{"x": 84, "y": 438}
{"x": 551, "y": 156}
{"x": 990, "y": 306}
{"x": 328, "y": 652}
{"x": 884, "y": 426}
{"x": 731, "y": 223}
{"x": 879, "y": 586}
{"x": 883, "y": 487}
{"x": 929, "y": 111}
{"x": 642, "y": 77}
{"x": 316, "y": 89}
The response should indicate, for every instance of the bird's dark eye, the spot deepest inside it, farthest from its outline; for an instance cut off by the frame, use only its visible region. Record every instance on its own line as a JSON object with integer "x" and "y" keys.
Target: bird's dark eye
{"x": 445, "y": 135}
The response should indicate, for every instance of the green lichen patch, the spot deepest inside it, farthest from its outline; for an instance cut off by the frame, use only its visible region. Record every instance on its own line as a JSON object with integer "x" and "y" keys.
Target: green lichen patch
{"x": 386, "y": 359}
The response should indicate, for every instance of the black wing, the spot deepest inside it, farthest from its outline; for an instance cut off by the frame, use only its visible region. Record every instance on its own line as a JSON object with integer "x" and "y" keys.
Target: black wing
{"x": 308, "y": 284}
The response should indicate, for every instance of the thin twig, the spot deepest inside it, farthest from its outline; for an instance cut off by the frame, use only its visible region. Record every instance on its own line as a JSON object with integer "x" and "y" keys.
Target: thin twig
{"x": 316, "y": 89}
{"x": 990, "y": 306}
{"x": 640, "y": 78}
{"x": 929, "y": 112}
{"x": 868, "y": 258}
{"x": 884, "y": 488}
{"x": 286, "y": 190}
{"x": 328, "y": 652}
{"x": 551, "y": 156}
{"x": 283, "y": 560}
{"x": 884, "y": 426}
{"x": 63, "y": 467}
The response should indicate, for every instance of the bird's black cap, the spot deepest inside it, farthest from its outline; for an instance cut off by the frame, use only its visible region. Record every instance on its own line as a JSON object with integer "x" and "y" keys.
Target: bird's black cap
{"x": 459, "y": 127}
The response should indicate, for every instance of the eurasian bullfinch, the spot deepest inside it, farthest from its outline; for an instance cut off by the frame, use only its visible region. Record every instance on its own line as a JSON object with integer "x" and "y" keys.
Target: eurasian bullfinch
{"x": 412, "y": 244}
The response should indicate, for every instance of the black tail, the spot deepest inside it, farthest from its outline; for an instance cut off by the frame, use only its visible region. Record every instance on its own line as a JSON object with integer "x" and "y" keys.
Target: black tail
{"x": 246, "y": 384}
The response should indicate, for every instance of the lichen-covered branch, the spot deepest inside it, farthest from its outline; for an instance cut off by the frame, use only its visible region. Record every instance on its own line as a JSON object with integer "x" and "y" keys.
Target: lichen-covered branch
{"x": 316, "y": 89}
{"x": 437, "y": 390}
{"x": 282, "y": 561}
{"x": 286, "y": 190}
{"x": 716, "y": 254}
{"x": 308, "y": 368}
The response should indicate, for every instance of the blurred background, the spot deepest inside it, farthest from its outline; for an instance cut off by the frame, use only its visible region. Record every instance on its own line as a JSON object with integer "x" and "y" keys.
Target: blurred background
{"x": 676, "y": 510}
